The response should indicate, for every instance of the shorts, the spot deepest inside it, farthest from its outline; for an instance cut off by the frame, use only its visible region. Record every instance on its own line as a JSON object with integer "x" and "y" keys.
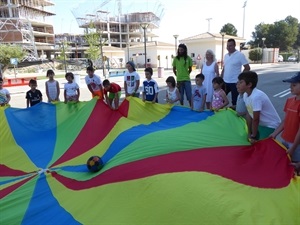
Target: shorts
{"x": 97, "y": 93}
{"x": 113, "y": 95}
{"x": 296, "y": 155}
{"x": 185, "y": 87}
{"x": 264, "y": 132}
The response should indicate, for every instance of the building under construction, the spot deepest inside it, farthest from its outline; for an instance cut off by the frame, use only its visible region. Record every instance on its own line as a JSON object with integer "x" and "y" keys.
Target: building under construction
{"x": 26, "y": 22}
{"x": 121, "y": 30}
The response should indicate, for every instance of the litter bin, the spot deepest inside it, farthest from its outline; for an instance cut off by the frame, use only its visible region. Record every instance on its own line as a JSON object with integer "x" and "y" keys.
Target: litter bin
{"x": 160, "y": 72}
{"x": 77, "y": 79}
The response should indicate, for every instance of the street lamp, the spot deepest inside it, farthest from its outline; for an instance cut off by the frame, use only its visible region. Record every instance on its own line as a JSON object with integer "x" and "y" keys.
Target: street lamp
{"x": 102, "y": 56}
{"x": 245, "y": 3}
{"x": 64, "y": 53}
{"x": 222, "y": 33}
{"x": 144, "y": 26}
{"x": 175, "y": 36}
{"x": 262, "y": 49}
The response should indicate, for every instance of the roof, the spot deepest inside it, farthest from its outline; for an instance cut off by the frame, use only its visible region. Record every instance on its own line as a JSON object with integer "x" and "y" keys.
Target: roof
{"x": 208, "y": 35}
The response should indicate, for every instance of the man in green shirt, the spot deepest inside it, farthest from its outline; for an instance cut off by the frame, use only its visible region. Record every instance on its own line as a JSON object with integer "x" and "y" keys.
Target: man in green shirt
{"x": 182, "y": 67}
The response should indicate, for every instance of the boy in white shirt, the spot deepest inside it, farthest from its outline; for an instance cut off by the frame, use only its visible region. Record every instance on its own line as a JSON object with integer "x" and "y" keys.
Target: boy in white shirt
{"x": 94, "y": 83}
{"x": 262, "y": 118}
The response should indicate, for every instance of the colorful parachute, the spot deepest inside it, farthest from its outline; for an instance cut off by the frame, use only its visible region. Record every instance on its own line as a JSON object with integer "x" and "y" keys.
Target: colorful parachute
{"x": 162, "y": 165}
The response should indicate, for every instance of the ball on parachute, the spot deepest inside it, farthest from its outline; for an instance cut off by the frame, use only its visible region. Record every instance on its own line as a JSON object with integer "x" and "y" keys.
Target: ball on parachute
{"x": 94, "y": 163}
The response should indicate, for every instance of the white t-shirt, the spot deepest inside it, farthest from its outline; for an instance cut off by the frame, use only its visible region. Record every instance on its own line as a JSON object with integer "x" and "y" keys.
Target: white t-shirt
{"x": 71, "y": 89}
{"x": 94, "y": 81}
{"x": 259, "y": 101}
{"x": 233, "y": 66}
{"x": 3, "y": 95}
{"x": 130, "y": 79}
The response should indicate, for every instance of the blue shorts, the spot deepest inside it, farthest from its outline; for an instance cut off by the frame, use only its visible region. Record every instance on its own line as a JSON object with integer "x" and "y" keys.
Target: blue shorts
{"x": 185, "y": 87}
{"x": 296, "y": 155}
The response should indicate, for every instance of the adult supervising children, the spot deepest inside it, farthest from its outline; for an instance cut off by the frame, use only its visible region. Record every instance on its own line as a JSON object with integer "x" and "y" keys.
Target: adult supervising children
{"x": 234, "y": 60}
{"x": 182, "y": 67}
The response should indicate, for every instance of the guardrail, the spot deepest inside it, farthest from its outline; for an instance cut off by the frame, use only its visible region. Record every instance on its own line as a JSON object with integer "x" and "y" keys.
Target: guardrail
{"x": 18, "y": 81}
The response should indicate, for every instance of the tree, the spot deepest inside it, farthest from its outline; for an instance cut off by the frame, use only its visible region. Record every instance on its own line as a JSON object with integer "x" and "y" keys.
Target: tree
{"x": 282, "y": 34}
{"x": 255, "y": 54}
{"x": 7, "y": 52}
{"x": 94, "y": 39}
{"x": 229, "y": 29}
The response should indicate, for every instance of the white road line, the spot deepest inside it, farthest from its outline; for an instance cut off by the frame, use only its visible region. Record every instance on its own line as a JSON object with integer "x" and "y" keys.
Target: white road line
{"x": 287, "y": 90}
{"x": 281, "y": 96}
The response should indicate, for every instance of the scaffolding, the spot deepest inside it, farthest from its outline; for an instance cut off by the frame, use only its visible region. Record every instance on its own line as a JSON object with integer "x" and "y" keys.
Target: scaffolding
{"x": 24, "y": 22}
{"x": 120, "y": 30}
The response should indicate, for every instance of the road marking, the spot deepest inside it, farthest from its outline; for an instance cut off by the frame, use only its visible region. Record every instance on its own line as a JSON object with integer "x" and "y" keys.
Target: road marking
{"x": 283, "y": 93}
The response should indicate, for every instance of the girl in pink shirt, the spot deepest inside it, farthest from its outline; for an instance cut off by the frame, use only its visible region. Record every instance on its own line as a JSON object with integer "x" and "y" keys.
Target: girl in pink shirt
{"x": 220, "y": 99}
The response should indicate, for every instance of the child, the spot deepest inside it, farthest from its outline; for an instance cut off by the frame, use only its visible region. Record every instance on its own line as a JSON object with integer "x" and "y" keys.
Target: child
{"x": 131, "y": 81}
{"x": 33, "y": 96}
{"x": 114, "y": 93}
{"x": 240, "y": 108}
{"x": 290, "y": 124}
{"x": 199, "y": 94}
{"x": 220, "y": 99}
{"x": 262, "y": 118}
{"x": 172, "y": 93}
{"x": 94, "y": 83}
{"x": 72, "y": 91}
{"x": 4, "y": 94}
{"x": 52, "y": 87}
{"x": 150, "y": 87}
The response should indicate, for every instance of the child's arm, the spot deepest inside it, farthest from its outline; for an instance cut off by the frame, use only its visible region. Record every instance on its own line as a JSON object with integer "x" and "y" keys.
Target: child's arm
{"x": 78, "y": 94}
{"x": 58, "y": 90}
{"x": 65, "y": 95}
{"x": 254, "y": 125}
{"x": 192, "y": 101}
{"x": 178, "y": 96}
{"x": 137, "y": 87}
{"x": 125, "y": 88}
{"x": 8, "y": 98}
{"x": 226, "y": 102}
{"x": 117, "y": 100}
{"x": 278, "y": 130}
{"x": 203, "y": 103}
{"x": 27, "y": 103}
{"x": 155, "y": 97}
{"x": 47, "y": 92}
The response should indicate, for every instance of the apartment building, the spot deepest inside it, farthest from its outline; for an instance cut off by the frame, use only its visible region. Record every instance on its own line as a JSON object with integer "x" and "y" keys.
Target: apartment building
{"x": 27, "y": 23}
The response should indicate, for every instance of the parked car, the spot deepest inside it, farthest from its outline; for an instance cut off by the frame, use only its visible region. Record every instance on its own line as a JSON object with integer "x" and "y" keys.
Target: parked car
{"x": 280, "y": 58}
{"x": 292, "y": 58}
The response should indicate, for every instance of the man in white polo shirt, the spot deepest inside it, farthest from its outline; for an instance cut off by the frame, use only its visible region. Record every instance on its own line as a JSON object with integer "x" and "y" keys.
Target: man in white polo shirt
{"x": 233, "y": 62}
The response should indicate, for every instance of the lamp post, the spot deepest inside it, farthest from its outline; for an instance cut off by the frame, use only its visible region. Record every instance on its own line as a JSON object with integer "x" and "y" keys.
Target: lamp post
{"x": 64, "y": 54}
{"x": 102, "y": 56}
{"x": 222, "y": 33}
{"x": 175, "y": 36}
{"x": 262, "y": 49}
{"x": 144, "y": 26}
{"x": 244, "y": 6}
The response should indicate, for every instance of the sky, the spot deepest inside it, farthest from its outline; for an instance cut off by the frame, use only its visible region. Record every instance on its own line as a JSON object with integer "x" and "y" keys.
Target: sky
{"x": 185, "y": 18}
